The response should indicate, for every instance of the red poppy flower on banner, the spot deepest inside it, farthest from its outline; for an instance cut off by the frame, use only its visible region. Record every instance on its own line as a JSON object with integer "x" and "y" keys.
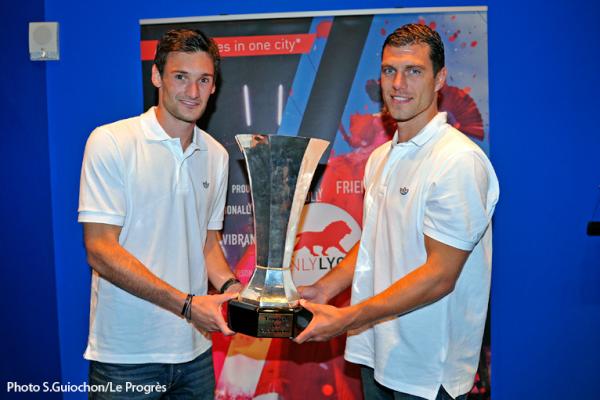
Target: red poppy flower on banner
{"x": 462, "y": 111}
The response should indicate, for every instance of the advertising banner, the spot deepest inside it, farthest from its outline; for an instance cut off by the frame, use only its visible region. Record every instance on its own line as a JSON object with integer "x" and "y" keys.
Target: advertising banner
{"x": 317, "y": 75}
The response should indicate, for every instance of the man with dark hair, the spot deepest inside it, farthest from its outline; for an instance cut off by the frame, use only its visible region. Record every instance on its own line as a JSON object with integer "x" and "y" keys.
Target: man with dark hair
{"x": 421, "y": 272}
{"x": 187, "y": 41}
{"x": 151, "y": 202}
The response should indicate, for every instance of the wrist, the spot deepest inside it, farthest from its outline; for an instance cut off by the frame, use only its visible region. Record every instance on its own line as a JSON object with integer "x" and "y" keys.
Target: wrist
{"x": 228, "y": 283}
{"x": 186, "y": 312}
{"x": 327, "y": 291}
{"x": 352, "y": 320}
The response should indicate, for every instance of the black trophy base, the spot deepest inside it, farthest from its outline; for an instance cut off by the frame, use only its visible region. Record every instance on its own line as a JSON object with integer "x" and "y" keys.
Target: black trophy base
{"x": 264, "y": 322}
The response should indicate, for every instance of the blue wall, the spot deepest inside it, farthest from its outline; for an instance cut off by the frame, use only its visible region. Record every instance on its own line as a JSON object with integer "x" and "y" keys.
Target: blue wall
{"x": 29, "y": 330}
{"x": 546, "y": 282}
{"x": 543, "y": 96}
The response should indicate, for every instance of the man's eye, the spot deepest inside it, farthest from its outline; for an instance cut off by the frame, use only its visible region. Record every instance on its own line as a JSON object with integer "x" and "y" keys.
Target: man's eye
{"x": 179, "y": 77}
{"x": 414, "y": 71}
{"x": 387, "y": 70}
{"x": 205, "y": 80}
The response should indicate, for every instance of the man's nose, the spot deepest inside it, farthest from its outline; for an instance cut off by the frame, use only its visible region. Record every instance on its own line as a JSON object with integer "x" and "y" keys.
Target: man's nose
{"x": 192, "y": 90}
{"x": 399, "y": 81}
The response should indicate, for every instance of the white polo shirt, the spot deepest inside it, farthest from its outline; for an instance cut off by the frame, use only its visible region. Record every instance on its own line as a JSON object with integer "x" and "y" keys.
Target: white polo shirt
{"x": 136, "y": 176}
{"x": 442, "y": 185}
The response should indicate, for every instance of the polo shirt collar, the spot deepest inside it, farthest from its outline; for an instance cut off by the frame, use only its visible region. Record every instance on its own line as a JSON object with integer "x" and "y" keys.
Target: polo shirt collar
{"x": 154, "y": 132}
{"x": 426, "y": 133}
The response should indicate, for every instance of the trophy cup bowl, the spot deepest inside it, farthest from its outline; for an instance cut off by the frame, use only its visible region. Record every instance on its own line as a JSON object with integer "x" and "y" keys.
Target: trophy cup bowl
{"x": 280, "y": 169}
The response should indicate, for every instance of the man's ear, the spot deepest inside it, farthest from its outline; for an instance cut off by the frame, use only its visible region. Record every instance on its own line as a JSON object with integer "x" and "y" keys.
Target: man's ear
{"x": 156, "y": 78}
{"x": 440, "y": 78}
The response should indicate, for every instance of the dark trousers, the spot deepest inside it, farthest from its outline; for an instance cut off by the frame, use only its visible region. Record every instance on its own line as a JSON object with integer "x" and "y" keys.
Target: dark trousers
{"x": 191, "y": 380}
{"x": 373, "y": 390}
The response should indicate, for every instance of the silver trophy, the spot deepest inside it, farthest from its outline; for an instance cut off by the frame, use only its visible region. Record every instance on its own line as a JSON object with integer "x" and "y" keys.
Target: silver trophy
{"x": 280, "y": 169}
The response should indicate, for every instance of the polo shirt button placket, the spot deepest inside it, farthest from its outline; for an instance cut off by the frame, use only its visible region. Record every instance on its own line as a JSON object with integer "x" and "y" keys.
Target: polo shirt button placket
{"x": 396, "y": 154}
{"x": 181, "y": 173}
{"x": 400, "y": 152}
{"x": 184, "y": 175}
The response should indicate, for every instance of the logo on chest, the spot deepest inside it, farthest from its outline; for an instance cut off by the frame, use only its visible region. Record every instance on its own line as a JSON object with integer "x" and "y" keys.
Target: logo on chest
{"x": 404, "y": 191}
{"x": 205, "y": 184}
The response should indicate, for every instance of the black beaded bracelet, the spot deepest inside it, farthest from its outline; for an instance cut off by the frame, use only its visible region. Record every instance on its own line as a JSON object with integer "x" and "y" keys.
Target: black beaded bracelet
{"x": 228, "y": 282}
{"x": 186, "y": 312}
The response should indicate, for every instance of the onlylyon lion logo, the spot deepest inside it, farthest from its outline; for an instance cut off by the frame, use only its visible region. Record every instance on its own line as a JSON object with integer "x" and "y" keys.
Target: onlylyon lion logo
{"x": 330, "y": 237}
{"x": 326, "y": 234}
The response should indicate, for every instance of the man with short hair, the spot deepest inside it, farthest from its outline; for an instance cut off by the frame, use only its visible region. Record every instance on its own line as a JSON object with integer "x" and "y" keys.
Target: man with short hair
{"x": 151, "y": 203}
{"x": 421, "y": 272}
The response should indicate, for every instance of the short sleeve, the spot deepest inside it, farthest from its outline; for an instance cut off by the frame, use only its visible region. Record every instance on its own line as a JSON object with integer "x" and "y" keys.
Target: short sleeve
{"x": 461, "y": 200}
{"x": 102, "y": 185}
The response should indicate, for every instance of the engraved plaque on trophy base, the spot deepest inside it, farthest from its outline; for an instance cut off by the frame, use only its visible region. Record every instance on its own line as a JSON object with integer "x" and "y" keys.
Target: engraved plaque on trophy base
{"x": 267, "y": 322}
